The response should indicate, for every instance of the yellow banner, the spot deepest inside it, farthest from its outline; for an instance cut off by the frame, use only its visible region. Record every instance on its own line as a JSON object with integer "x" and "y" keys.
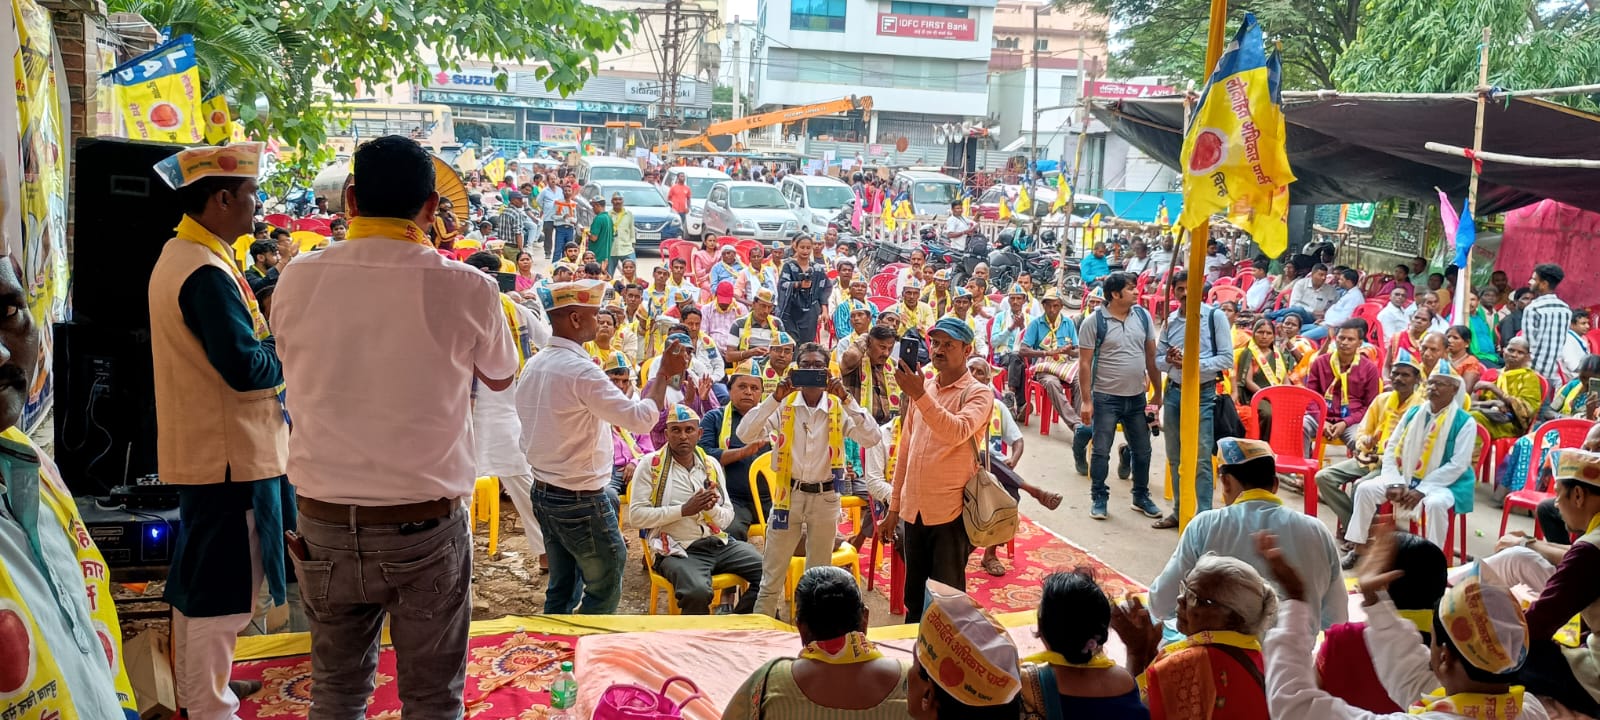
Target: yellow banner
{"x": 159, "y": 94}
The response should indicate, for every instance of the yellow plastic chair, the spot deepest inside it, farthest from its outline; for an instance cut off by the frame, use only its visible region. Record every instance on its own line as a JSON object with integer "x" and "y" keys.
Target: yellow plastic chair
{"x": 847, "y": 557}
{"x": 720, "y": 583}
{"x": 308, "y": 240}
{"x": 486, "y": 508}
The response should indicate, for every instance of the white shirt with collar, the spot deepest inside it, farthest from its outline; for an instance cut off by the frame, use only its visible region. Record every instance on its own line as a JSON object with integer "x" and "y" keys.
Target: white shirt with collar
{"x": 495, "y": 427}
{"x": 1393, "y": 320}
{"x": 1313, "y": 299}
{"x": 1343, "y": 308}
{"x": 811, "y": 453}
{"x": 381, "y": 381}
{"x": 567, "y": 406}
{"x": 670, "y": 532}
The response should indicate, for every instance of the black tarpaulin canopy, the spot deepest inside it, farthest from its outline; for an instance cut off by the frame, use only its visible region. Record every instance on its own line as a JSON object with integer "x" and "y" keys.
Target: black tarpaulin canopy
{"x": 1364, "y": 149}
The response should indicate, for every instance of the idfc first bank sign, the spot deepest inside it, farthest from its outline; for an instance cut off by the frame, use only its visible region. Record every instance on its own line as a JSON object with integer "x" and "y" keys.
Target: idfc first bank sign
{"x": 923, "y": 26}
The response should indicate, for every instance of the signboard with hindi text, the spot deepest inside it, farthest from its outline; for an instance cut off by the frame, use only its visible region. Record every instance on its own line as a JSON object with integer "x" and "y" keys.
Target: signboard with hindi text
{"x": 1127, "y": 90}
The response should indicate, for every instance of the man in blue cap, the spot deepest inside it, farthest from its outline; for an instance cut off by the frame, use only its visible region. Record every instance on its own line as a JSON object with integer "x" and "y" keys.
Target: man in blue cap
{"x": 940, "y": 427}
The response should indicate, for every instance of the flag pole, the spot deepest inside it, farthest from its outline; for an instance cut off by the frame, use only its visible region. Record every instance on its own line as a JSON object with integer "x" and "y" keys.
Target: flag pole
{"x": 1464, "y": 275}
{"x": 1190, "y": 414}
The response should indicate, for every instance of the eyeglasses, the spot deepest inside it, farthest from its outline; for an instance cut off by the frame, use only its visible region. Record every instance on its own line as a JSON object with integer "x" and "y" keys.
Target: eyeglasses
{"x": 1187, "y": 596}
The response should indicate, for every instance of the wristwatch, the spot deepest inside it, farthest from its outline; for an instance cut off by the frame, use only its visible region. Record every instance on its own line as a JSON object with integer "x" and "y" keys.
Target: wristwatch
{"x": 1527, "y": 541}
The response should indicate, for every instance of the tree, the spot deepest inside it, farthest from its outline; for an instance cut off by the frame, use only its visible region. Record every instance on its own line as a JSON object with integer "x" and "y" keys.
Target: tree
{"x": 1406, "y": 46}
{"x": 299, "y": 57}
{"x": 1167, "y": 38}
{"x": 722, "y": 102}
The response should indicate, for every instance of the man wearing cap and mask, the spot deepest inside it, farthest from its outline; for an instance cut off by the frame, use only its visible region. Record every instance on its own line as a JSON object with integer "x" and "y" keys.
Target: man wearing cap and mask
{"x": 567, "y": 406}
{"x": 1427, "y": 463}
{"x": 1334, "y": 482}
{"x": 680, "y": 497}
{"x": 810, "y": 427}
{"x": 938, "y": 429}
{"x": 753, "y": 333}
{"x": 965, "y": 665}
{"x": 216, "y": 377}
{"x": 54, "y": 585}
{"x": 384, "y": 526}
{"x": 1250, "y": 505}
{"x": 1480, "y": 641}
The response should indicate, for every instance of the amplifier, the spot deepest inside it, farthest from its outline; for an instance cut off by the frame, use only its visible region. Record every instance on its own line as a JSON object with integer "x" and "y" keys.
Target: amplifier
{"x": 130, "y": 538}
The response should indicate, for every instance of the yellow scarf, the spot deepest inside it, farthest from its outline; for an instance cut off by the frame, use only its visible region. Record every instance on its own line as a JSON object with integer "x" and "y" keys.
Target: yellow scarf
{"x": 894, "y": 451}
{"x": 912, "y": 316}
{"x": 769, "y": 379}
{"x": 850, "y": 649}
{"x": 1505, "y": 706}
{"x": 1099, "y": 661}
{"x": 725, "y": 432}
{"x": 1422, "y": 619}
{"x": 891, "y": 388}
{"x": 1257, "y": 494}
{"x": 661, "y": 463}
{"x": 749, "y": 323}
{"x": 600, "y": 354}
{"x": 1049, "y": 342}
{"x": 783, "y": 467}
{"x": 362, "y": 228}
{"x": 1594, "y": 522}
{"x": 1274, "y": 372}
{"x": 521, "y": 337}
{"x": 190, "y": 230}
{"x": 1417, "y": 470}
{"x": 627, "y": 439}
{"x": 1342, "y": 379}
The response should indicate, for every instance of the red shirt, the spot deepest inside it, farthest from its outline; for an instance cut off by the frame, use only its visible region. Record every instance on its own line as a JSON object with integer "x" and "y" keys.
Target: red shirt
{"x": 1345, "y": 668}
{"x": 678, "y": 195}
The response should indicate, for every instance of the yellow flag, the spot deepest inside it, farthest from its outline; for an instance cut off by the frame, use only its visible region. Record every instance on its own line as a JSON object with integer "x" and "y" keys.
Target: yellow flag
{"x": 966, "y": 207}
{"x": 219, "y": 124}
{"x": 1024, "y": 203}
{"x": 903, "y": 210}
{"x": 495, "y": 170}
{"x": 888, "y": 217}
{"x": 1234, "y": 158}
{"x": 1063, "y": 192}
{"x": 1005, "y": 209}
{"x": 159, "y": 94}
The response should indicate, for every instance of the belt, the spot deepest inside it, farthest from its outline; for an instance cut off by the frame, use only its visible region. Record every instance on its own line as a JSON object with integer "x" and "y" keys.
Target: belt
{"x": 375, "y": 514}
{"x": 547, "y": 487}
{"x": 814, "y": 488}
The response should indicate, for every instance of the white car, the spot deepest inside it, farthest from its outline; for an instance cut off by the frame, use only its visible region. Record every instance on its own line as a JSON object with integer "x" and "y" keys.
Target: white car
{"x": 700, "y": 181}
{"x": 749, "y": 210}
{"x": 816, "y": 200}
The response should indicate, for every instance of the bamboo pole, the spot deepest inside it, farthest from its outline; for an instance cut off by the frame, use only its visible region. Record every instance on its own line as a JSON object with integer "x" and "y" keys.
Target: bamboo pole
{"x": 1524, "y": 160}
{"x": 1189, "y": 441}
{"x": 1464, "y": 275}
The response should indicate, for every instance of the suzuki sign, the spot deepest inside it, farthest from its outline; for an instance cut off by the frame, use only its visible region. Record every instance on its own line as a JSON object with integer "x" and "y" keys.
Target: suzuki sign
{"x": 925, "y": 26}
{"x": 465, "y": 80}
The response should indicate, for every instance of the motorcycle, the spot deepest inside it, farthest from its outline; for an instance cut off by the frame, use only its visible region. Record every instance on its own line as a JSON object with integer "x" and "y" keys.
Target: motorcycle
{"x": 1007, "y": 262}
{"x": 300, "y": 202}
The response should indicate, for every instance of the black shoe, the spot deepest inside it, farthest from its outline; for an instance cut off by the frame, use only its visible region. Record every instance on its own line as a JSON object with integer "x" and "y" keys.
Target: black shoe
{"x": 244, "y": 688}
{"x": 1124, "y": 462}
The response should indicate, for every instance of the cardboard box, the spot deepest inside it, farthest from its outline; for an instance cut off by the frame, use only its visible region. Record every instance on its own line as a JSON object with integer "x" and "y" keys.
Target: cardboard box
{"x": 150, "y": 671}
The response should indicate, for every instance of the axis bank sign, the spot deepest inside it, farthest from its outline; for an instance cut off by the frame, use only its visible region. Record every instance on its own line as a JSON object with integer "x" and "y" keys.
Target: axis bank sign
{"x": 925, "y": 26}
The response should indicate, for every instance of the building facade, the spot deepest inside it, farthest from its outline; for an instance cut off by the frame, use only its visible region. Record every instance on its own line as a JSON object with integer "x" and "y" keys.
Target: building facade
{"x": 924, "y": 64}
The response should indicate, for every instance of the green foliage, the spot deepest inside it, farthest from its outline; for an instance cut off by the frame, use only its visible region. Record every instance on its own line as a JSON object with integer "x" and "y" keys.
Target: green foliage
{"x": 1168, "y": 37}
{"x": 722, "y": 102}
{"x": 298, "y": 57}
{"x": 1406, "y": 46}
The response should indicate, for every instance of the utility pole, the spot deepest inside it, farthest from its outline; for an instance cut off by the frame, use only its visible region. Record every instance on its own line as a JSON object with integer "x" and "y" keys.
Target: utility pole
{"x": 1033, "y": 154}
{"x": 679, "y": 29}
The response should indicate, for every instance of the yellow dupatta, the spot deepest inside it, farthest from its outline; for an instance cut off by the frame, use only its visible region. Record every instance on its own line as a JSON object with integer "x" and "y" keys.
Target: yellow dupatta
{"x": 783, "y": 464}
{"x": 1504, "y": 706}
{"x": 1342, "y": 379}
{"x": 1257, "y": 494}
{"x": 848, "y": 649}
{"x": 190, "y": 230}
{"x": 1098, "y": 662}
{"x": 744, "y": 334}
{"x": 362, "y": 228}
{"x": 661, "y": 464}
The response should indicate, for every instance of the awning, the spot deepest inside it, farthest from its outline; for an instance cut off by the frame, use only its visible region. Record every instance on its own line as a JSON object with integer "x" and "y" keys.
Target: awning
{"x": 1369, "y": 148}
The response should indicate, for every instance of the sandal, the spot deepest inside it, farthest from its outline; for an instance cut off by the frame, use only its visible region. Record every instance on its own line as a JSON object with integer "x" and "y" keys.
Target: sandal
{"x": 1167, "y": 523}
{"x": 1050, "y": 500}
{"x": 993, "y": 566}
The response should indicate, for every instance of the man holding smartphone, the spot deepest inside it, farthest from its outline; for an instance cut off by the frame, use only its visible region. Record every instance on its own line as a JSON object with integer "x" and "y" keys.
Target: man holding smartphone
{"x": 807, "y": 463}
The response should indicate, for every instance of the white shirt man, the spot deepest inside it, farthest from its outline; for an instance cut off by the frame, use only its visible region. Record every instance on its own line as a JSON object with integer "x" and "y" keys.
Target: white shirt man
{"x": 956, "y": 228}
{"x": 812, "y": 495}
{"x": 1306, "y": 294}
{"x": 1394, "y": 317}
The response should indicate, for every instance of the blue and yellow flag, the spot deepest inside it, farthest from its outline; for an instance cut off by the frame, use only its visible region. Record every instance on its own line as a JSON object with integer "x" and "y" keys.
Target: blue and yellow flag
{"x": 159, "y": 93}
{"x": 1234, "y": 158}
{"x": 1161, "y": 214}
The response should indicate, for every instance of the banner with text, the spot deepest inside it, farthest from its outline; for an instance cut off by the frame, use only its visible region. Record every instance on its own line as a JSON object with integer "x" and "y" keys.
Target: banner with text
{"x": 926, "y": 26}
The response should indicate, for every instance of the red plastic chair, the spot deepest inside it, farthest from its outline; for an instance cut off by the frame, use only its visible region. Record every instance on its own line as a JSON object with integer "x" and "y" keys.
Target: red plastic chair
{"x": 320, "y": 226}
{"x": 278, "y": 220}
{"x": 883, "y": 284}
{"x": 1224, "y": 293}
{"x": 1372, "y": 282}
{"x": 1485, "y": 450}
{"x": 1244, "y": 279}
{"x": 882, "y": 302}
{"x": 1457, "y": 522}
{"x": 893, "y": 268}
{"x": 1223, "y": 282}
{"x": 1040, "y": 400}
{"x": 1569, "y": 434}
{"x": 1290, "y": 406}
{"x": 681, "y": 251}
{"x": 744, "y": 247}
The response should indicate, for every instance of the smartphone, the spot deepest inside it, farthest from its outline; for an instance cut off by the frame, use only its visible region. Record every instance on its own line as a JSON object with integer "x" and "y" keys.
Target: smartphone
{"x": 1594, "y": 385}
{"x": 508, "y": 281}
{"x": 911, "y": 352}
{"x": 808, "y": 378}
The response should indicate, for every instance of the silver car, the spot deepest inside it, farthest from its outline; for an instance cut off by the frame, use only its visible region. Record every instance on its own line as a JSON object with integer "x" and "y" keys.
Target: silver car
{"x": 749, "y": 210}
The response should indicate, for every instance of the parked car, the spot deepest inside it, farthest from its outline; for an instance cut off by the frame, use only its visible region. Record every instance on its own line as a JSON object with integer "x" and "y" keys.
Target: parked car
{"x": 596, "y": 168}
{"x": 700, "y": 181}
{"x": 653, "y": 218}
{"x": 1084, "y": 206}
{"x": 816, "y": 200}
{"x": 749, "y": 210}
{"x": 931, "y": 193}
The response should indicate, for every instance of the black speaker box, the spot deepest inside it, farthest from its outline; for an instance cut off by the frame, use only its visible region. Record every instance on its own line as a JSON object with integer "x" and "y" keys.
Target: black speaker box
{"x": 124, "y": 214}
{"x": 105, "y": 417}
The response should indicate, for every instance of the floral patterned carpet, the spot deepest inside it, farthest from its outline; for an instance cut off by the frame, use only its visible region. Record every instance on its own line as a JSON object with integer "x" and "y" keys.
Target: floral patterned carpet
{"x": 508, "y": 676}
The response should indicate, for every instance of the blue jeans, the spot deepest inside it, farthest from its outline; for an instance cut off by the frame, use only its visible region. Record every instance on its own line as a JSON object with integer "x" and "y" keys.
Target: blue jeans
{"x": 615, "y": 261}
{"x": 586, "y": 550}
{"x": 1314, "y": 332}
{"x": 563, "y": 239}
{"x": 1171, "y": 410}
{"x": 1109, "y": 411}
{"x": 1306, "y": 318}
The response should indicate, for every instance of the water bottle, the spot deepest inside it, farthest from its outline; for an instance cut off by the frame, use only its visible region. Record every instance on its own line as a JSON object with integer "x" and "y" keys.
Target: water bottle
{"x": 564, "y": 695}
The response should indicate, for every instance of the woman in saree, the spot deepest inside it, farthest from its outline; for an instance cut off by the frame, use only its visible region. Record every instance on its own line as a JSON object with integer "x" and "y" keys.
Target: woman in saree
{"x": 1509, "y": 406}
{"x": 1074, "y": 622}
{"x": 1482, "y": 319}
{"x": 702, "y": 260}
{"x": 1216, "y": 670}
{"x": 1296, "y": 350}
{"x": 1458, "y": 350}
{"x": 1572, "y": 400}
{"x": 1259, "y": 364}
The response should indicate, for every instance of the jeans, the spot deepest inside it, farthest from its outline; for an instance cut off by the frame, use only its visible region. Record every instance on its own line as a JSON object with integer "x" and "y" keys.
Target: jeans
{"x": 1171, "y": 411}
{"x": 585, "y": 549}
{"x": 1306, "y": 318}
{"x": 563, "y": 238}
{"x": 1109, "y": 411}
{"x": 615, "y": 261}
{"x": 1315, "y": 332}
{"x": 549, "y": 240}
{"x": 421, "y": 579}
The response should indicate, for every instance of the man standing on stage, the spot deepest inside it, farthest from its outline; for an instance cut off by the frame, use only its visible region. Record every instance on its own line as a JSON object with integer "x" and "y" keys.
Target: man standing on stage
{"x": 568, "y": 406}
{"x": 382, "y": 339}
{"x": 222, "y": 435}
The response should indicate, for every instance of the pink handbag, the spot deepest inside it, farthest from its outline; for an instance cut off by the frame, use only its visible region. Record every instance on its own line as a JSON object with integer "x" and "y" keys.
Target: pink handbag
{"x": 636, "y": 702}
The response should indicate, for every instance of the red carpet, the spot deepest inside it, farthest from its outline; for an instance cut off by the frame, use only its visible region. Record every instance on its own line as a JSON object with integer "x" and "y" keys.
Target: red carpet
{"x": 1038, "y": 554}
{"x": 508, "y": 676}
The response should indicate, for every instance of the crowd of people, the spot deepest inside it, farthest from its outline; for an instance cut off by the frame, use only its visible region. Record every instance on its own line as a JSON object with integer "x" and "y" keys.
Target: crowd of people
{"x": 725, "y": 415}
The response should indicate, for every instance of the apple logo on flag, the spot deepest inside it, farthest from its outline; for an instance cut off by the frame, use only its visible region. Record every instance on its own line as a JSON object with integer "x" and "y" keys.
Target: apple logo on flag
{"x": 219, "y": 117}
{"x": 1210, "y": 147}
{"x": 16, "y": 664}
{"x": 165, "y": 116}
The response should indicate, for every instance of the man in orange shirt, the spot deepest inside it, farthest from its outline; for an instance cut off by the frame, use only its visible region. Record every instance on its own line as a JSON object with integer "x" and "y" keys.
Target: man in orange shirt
{"x": 678, "y": 196}
{"x": 935, "y": 458}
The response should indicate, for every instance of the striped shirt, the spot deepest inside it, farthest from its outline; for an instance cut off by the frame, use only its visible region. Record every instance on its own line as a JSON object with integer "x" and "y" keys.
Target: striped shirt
{"x": 508, "y": 225}
{"x": 1545, "y": 323}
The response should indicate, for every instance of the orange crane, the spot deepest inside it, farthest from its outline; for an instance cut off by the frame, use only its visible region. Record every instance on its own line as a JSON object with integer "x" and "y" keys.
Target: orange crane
{"x": 751, "y": 122}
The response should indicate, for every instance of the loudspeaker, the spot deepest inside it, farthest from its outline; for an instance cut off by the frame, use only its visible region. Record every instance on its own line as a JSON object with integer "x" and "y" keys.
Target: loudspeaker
{"x": 105, "y": 419}
{"x": 124, "y": 214}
